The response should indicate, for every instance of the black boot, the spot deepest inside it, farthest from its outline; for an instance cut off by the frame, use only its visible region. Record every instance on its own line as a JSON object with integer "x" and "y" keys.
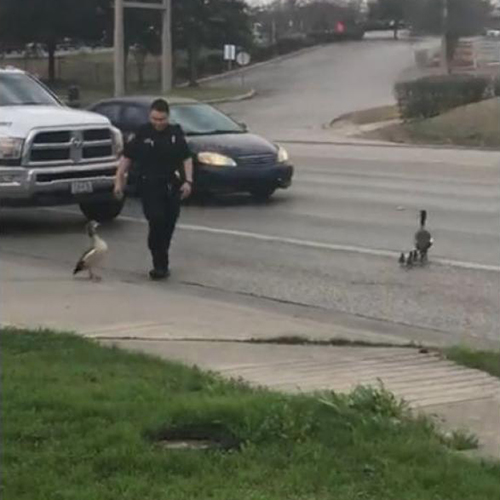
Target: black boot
{"x": 159, "y": 274}
{"x": 160, "y": 269}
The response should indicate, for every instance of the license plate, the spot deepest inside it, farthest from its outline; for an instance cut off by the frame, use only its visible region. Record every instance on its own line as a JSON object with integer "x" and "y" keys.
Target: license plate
{"x": 82, "y": 187}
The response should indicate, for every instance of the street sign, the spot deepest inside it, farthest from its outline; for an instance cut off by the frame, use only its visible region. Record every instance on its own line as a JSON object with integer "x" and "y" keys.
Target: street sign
{"x": 243, "y": 58}
{"x": 229, "y": 52}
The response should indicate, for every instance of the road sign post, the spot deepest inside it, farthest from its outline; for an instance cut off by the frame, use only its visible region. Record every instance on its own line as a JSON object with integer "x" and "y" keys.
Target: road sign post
{"x": 243, "y": 59}
{"x": 229, "y": 55}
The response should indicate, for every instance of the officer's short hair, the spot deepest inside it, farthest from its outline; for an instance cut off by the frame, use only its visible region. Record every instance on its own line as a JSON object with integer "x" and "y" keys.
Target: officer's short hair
{"x": 161, "y": 106}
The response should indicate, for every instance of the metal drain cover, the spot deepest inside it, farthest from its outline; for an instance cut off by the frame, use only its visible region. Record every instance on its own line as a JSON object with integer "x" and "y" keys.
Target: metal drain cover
{"x": 189, "y": 444}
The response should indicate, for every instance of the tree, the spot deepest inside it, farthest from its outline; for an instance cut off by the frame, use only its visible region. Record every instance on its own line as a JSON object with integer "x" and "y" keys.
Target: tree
{"x": 50, "y": 21}
{"x": 389, "y": 10}
{"x": 324, "y": 15}
{"x": 142, "y": 38}
{"x": 209, "y": 23}
{"x": 229, "y": 22}
{"x": 464, "y": 18}
{"x": 196, "y": 23}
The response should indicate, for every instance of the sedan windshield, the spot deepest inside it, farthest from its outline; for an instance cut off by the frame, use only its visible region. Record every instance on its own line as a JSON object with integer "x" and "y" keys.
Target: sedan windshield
{"x": 18, "y": 89}
{"x": 202, "y": 119}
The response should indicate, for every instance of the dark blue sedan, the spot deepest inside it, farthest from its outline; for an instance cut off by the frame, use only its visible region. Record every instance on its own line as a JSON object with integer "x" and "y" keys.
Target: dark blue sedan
{"x": 227, "y": 158}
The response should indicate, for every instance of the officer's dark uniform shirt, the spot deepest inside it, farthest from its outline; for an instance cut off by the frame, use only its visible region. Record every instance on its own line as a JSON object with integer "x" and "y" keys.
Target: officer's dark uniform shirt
{"x": 158, "y": 155}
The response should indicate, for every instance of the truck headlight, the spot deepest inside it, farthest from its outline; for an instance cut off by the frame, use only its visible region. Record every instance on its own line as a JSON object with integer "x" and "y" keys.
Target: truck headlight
{"x": 216, "y": 160}
{"x": 10, "y": 178}
{"x": 11, "y": 148}
{"x": 283, "y": 156}
{"x": 117, "y": 140}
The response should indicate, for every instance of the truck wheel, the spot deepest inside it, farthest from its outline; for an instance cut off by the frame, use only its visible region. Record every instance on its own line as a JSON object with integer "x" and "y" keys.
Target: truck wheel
{"x": 103, "y": 211}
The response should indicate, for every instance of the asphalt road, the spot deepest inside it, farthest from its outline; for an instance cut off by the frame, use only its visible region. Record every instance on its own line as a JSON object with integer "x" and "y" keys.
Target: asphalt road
{"x": 328, "y": 242}
{"x": 305, "y": 92}
{"x": 331, "y": 241}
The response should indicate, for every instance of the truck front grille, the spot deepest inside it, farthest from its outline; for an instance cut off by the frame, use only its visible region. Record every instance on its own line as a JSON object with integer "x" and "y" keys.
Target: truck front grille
{"x": 55, "y": 154}
{"x": 52, "y": 137}
{"x": 101, "y": 134}
{"x": 93, "y": 152}
{"x": 76, "y": 147}
{"x": 76, "y": 174}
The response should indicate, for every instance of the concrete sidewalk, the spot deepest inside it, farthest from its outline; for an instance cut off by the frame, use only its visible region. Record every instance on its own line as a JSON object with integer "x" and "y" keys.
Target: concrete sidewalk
{"x": 38, "y": 293}
{"x": 167, "y": 321}
{"x": 458, "y": 398}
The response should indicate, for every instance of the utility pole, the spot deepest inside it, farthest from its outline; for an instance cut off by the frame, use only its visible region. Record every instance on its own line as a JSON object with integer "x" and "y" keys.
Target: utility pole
{"x": 119, "y": 48}
{"x": 166, "y": 59}
{"x": 444, "y": 40}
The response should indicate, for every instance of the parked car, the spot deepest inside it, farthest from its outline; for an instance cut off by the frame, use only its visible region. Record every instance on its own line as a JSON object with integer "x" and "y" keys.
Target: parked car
{"x": 491, "y": 33}
{"x": 227, "y": 157}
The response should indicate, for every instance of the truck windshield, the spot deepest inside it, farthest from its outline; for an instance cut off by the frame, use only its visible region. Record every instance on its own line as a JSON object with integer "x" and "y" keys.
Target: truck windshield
{"x": 22, "y": 90}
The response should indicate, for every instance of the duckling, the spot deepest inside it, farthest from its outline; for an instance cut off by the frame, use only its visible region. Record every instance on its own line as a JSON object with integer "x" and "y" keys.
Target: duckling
{"x": 402, "y": 259}
{"x": 423, "y": 238}
{"x": 94, "y": 255}
{"x": 410, "y": 260}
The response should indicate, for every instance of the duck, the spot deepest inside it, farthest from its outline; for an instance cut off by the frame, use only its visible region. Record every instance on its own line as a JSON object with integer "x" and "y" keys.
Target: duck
{"x": 410, "y": 260}
{"x": 94, "y": 255}
{"x": 423, "y": 238}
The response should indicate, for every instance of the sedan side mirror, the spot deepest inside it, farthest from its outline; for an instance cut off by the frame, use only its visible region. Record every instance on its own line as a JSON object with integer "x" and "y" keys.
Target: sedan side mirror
{"x": 73, "y": 97}
{"x": 243, "y": 126}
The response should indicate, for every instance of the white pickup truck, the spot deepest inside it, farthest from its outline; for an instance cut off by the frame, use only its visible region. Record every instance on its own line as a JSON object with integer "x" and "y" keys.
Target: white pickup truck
{"x": 51, "y": 154}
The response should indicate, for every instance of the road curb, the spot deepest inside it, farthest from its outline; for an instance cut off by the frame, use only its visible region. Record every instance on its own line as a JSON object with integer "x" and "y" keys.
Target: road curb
{"x": 238, "y": 98}
{"x": 250, "y": 67}
{"x": 381, "y": 144}
{"x": 344, "y": 140}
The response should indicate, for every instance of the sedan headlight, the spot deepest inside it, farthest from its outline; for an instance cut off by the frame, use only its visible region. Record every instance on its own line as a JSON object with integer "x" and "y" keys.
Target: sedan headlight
{"x": 11, "y": 148}
{"x": 283, "y": 156}
{"x": 216, "y": 160}
{"x": 117, "y": 140}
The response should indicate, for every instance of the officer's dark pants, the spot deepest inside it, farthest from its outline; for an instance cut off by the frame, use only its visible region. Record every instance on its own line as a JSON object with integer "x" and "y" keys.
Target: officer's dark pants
{"x": 161, "y": 206}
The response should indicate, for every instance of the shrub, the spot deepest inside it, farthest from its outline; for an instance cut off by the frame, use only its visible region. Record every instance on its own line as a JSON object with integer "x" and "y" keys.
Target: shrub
{"x": 432, "y": 96}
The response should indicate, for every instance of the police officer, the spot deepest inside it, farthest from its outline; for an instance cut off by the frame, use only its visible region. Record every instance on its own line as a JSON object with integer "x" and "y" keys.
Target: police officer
{"x": 165, "y": 177}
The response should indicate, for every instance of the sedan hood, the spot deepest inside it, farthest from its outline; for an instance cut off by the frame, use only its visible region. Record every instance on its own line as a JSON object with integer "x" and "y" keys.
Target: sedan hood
{"x": 232, "y": 145}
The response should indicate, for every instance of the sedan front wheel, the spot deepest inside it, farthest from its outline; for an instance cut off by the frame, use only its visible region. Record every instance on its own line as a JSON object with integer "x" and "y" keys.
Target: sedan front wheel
{"x": 263, "y": 194}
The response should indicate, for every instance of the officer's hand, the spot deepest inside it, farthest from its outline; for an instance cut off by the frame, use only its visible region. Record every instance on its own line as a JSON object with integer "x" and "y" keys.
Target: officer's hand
{"x": 118, "y": 192}
{"x": 186, "y": 191}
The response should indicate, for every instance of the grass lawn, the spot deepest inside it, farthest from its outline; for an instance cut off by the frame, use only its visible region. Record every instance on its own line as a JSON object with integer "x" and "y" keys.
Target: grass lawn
{"x": 90, "y": 95}
{"x": 93, "y": 73}
{"x": 372, "y": 115}
{"x": 82, "y": 422}
{"x": 476, "y": 125}
{"x": 487, "y": 361}
{"x": 97, "y": 66}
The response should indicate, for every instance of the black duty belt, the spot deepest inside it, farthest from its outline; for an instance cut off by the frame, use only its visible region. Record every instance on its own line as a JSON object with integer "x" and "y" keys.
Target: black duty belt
{"x": 172, "y": 183}
{"x": 158, "y": 178}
